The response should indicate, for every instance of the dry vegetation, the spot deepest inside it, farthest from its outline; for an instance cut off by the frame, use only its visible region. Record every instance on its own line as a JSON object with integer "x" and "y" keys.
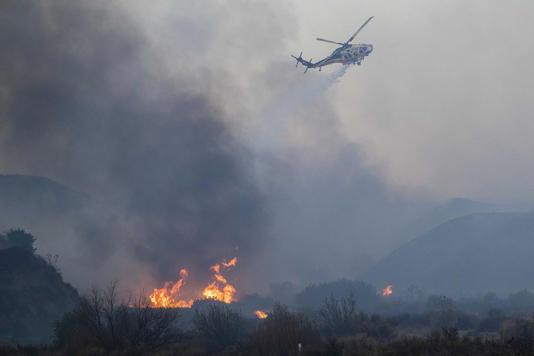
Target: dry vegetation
{"x": 102, "y": 324}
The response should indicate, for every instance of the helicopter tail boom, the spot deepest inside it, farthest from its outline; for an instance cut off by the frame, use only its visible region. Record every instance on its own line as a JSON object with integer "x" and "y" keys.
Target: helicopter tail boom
{"x": 305, "y": 63}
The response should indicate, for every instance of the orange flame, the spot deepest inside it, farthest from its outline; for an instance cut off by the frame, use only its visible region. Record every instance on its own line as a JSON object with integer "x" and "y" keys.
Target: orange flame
{"x": 166, "y": 297}
{"x": 231, "y": 263}
{"x": 387, "y": 291}
{"x": 260, "y": 314}
{"x": 218, "y": 289}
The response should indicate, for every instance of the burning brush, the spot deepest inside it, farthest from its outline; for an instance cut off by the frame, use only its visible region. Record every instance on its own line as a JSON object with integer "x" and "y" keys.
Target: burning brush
{"x": 387, "y": 291}
{"x": 219, "y": 289}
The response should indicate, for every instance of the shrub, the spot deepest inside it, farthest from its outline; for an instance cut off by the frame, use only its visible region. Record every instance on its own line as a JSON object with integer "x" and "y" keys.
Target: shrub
{"x": 314, "y": 295}
{"x": 339, "y": 315}
{"x": 219, "y": 327}
{"x": 103, "y": 322}
{"x": 17, "y": 238}
{"x": 282, "y": 332}
{"x": 492, "y": 322}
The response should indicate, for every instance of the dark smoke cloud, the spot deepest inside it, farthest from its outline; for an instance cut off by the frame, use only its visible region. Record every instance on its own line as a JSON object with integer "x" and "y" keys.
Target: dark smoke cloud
{"x": 80, "y": 103}
{"x": 145, "y": 106}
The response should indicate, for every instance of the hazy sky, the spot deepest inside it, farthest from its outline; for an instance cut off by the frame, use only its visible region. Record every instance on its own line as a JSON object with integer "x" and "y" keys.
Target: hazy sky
{"x": 445, "y": 102}
{"x": 330, "y": 165}
{"x": 443, "y": 105}
{"x": 442, "y": 108}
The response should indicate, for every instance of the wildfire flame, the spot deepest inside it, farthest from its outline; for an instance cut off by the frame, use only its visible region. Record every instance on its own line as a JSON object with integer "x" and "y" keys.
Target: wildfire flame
{"x": 218, "y": 289}
{"x": 260, "y": 314}
{"x": 167, "y": 297}
{"x": 387, "y": 291}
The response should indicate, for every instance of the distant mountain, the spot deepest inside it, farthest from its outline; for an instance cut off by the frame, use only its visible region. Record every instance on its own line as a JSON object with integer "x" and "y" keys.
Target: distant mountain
{"x": 451, "y": 209}
{"x": 433, "y": 214}
{"x": 32, "y": 297}
{"x": 473, "y": 254}
{"x": 29, "y": 200}
{"x": 438, "y": 214}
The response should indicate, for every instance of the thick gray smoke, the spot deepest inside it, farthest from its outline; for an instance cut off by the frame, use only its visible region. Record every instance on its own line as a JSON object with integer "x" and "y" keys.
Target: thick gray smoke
{"x": 196, "y": 139}
{"x": 81, "y": 104}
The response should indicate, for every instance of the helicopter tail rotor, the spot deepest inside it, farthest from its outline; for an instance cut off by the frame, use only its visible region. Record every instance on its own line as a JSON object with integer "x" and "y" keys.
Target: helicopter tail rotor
{"x": 299, "y": 59}
{"x": 308, "y": 64}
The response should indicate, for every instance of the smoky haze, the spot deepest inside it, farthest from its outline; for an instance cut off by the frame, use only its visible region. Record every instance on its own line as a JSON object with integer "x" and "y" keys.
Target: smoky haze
{"x": 80, "y": 106}
{"x": 197, "y": 138}
{"x": 443, "y": 105}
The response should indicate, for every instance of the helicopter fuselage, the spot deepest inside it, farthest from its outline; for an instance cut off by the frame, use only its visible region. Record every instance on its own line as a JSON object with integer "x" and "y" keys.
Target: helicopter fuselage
{"x": 348, "y": 54}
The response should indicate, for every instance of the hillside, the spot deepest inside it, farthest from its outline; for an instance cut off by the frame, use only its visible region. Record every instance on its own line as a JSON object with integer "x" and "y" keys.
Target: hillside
{"x": 468, "y": 255}
{"x": 32, "y": 297}
{"x": 28, "y": 200}
{"x": 450, "y": 209}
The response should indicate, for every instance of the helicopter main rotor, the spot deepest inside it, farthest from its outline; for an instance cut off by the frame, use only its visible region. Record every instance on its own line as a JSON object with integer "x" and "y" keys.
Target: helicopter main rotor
{"x": 351, "y": 38}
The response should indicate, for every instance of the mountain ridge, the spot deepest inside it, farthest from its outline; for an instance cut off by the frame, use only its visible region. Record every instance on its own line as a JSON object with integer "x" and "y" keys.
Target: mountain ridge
{"x": 476, "y": 253}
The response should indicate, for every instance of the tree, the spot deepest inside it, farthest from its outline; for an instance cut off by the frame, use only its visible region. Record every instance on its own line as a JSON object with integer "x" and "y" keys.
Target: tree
{"x": 339, "y": 315}
{"x": 19, "y": 238}
{"x": 282, "y": 333}
{"x": 219, "y": 327}
{"x": 493, "y": 321}
{"x": 102, "y": 321}
{"x": 440, "y": 303}
{"x": 443, "y": 310}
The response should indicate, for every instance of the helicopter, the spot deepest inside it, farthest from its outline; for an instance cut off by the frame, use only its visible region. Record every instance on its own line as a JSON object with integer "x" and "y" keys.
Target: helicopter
{"x": 346, "y": 54}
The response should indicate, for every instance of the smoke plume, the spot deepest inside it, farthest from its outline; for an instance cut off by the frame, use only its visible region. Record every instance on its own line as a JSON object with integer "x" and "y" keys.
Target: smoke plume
{"x": 82, "y": 104}
{"x": 196, "y": 139}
